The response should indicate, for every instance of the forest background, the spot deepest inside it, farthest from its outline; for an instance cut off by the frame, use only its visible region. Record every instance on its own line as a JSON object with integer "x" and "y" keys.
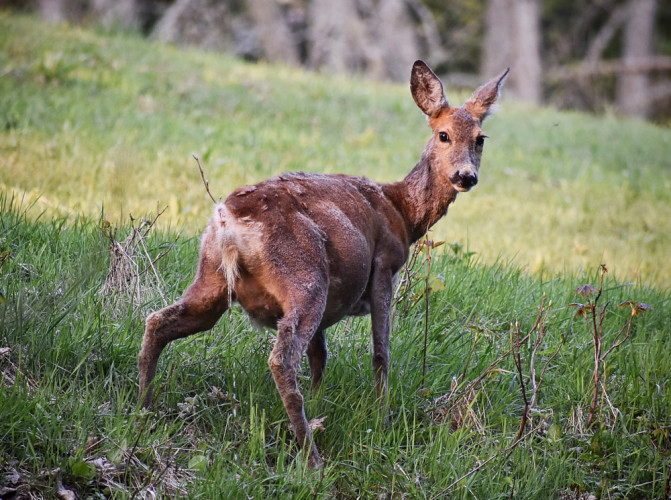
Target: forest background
{"x": 98, "y": 125}
{"x": 597, "y": 56}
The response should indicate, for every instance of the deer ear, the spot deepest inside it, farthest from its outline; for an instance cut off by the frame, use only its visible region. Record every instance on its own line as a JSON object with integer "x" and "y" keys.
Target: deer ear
{"x": 481, "y": 104}
{"x": 427, "y": 90}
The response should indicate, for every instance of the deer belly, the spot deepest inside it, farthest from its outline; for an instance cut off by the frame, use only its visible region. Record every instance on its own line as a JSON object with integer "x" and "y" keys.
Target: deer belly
{"x": 257, "y": 302}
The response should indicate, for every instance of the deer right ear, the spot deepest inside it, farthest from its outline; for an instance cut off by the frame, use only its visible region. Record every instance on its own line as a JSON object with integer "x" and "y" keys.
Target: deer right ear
{"x": 427, "y": 89}
{"x": 482, "y": 102}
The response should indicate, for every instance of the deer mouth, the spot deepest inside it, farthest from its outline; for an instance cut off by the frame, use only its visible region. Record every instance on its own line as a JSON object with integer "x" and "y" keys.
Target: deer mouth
{"x": 463, "y": 182}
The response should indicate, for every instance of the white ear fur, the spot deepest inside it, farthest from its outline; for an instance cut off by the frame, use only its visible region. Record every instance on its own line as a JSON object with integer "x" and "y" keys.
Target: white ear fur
{"x": 427, "y": 89}
{"x": 483, "y": 101}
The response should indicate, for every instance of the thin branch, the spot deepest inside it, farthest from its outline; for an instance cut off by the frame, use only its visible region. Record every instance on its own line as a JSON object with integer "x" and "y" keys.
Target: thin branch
{"x": 405, "y": 283}
{"x": 427, "y": 291}
{"x": 606, "y": 34}
{"x": 545, "y": 366}
{"x": 472, "y": 385}
{"x": 150, "y": 224}
{"x": 612, "y": 66}
{"x": 153, "y": 268}
{"x": 202, "y": 176}
{"x": 482, "y": 464}
{"x": 532, "y": 367}
{"x": 617, "y": 344}
{"x": 470, "y": 354}
{"x": 161, "y": 255}
{"x": 515, "y": 348}
{"x": 667, "y": 486}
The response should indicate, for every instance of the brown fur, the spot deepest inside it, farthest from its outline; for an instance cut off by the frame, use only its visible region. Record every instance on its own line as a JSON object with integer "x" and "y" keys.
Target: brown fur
{"x": 301, "y": 251}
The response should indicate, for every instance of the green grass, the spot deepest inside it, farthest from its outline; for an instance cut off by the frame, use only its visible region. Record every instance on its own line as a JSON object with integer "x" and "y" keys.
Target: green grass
{"x": 68, "y": 388}
{"x": 92, "y": 121}
{"x": 95, "y": 121}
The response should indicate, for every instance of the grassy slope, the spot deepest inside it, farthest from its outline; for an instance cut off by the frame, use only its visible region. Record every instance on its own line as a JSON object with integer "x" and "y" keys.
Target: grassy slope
{"x": 72, "y": 98}
{"x": 69, "y": 385}
{"x": 92, "y": 121}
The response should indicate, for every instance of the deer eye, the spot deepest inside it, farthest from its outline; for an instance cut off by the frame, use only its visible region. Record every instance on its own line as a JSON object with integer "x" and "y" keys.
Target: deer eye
{"x": 444, "y": 137}
{"x": 480, "y": 140}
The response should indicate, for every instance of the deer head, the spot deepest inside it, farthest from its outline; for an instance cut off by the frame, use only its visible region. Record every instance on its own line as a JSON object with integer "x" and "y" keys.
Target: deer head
{"x": 455, "y": 147}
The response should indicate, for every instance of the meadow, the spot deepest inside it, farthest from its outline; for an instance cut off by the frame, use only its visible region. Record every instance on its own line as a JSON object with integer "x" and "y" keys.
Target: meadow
{"x": 97, "y": 133}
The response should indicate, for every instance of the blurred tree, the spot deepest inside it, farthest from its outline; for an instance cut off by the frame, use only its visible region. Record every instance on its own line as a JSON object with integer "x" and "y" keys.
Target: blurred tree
{"x": 576, "y": 54}
{"x": 498, "y": 50}
{"x": 276, "y": 40}
{"x": 338, "y": 38}
{"x": 381, "y": 39}
{"x": 54, "y": 11}
{"x": 512, "y": 38}
{"x": 633, "y": 88}
{"x": 527, "y": 55}
{"x": 397, "y": 39}
{"x": 207, "y": 23}
{"x": 116, "y": 13}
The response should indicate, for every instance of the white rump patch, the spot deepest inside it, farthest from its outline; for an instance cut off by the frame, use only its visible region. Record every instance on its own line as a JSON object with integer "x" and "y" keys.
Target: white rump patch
{"x": 226, "y": 239}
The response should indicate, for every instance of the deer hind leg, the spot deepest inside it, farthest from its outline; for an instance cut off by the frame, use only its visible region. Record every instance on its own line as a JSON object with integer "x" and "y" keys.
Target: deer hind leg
{"x": 317, "y": 354}
{"x": 198, "y": 310}
{"x": 294, "y": 332}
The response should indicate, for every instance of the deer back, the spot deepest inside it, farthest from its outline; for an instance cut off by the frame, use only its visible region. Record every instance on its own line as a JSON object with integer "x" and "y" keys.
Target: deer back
{"x": 308, "y": 231}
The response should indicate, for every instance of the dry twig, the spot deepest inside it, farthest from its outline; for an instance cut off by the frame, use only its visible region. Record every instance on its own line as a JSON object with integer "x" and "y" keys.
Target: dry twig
{"x": 202, "y": 176}
{"x": 129, "y": 262}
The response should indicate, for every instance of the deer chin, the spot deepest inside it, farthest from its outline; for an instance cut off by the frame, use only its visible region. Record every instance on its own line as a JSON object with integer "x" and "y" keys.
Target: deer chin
{"x": 461, "y": 188}
{"x": 463, "y": 183}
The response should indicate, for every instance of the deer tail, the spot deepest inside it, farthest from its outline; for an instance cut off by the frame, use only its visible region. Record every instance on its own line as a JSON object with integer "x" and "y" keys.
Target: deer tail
{"x": 230, "y": 253}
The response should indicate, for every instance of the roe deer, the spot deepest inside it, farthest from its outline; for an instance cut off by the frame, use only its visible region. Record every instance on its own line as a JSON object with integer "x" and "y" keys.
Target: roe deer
{"x": 301, "y": 251}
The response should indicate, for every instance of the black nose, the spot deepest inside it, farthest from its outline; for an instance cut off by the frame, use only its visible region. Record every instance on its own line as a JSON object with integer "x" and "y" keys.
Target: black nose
{"x": 468, "y": 180}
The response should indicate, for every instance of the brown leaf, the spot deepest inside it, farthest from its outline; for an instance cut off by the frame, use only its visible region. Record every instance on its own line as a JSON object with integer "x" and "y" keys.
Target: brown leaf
{"x": 636, "y": 307}
{"x": 585, "y": 290}
{"x": 582, "y": 309}
{"x": 641, "y": 308}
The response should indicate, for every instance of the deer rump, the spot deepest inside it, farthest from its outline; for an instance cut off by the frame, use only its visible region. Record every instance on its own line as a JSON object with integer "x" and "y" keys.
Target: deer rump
{"x": 316, "y": 235}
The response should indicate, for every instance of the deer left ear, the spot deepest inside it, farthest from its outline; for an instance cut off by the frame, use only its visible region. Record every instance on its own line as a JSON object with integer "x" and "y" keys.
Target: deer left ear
{"x": 427, "y": 89}
{"x": 482, "y": 102}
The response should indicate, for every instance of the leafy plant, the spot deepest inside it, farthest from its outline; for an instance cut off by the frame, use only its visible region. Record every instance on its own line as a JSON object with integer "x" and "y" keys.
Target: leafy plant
{"x": 594, "y": 316}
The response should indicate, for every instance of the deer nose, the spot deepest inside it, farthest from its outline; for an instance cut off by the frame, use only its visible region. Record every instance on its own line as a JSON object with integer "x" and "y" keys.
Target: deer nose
{"x": 467, "y": 180}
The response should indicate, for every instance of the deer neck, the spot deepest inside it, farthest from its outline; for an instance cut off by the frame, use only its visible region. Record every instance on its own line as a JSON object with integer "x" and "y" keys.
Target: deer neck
{"x": 423, "y": 196}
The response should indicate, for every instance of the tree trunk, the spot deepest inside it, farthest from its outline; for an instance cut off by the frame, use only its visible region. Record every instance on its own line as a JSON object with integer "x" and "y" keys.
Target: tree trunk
{"x": 633, "y": 89}
{"x": 205, "y": 23}
{"x": 337, "y": 38}
{"x": 396, "y": 37}
{"x": 497, "y": 52}
{"x": 277, "y": 43}
{"x": 527, "y": 61}
{"x": 512, "y": 38}
{"x": 53, "y": 10}
{"x": 116, "y": 13}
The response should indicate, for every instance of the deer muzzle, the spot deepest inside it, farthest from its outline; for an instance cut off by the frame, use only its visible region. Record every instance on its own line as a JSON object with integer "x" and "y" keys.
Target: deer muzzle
{"x": 464, "y": 179}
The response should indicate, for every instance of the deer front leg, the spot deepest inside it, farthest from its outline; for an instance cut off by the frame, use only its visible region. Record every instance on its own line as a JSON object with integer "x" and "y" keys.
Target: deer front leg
{"x": 380, "y": 312}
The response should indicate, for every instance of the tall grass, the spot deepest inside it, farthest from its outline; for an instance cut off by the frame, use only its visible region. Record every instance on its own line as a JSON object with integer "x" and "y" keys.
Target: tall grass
{"x": 92, "y": 121}
{"x": 68, "y": 390}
